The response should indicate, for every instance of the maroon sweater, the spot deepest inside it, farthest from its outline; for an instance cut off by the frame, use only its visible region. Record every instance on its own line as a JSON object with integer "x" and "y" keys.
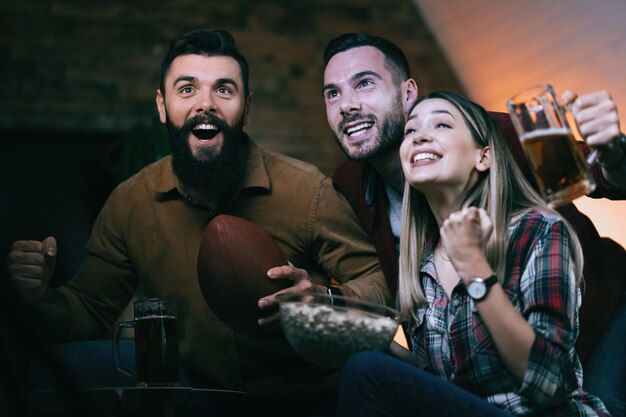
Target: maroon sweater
{"x": 605, "y": 260}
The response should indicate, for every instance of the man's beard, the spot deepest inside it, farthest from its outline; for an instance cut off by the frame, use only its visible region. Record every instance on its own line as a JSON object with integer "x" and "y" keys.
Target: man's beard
{"x": 389, "y": 139}
{"x": 213, "y": 168}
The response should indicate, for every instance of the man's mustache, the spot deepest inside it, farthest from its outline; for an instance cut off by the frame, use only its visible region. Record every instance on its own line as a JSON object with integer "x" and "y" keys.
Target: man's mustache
{"x": 353, "y": 118}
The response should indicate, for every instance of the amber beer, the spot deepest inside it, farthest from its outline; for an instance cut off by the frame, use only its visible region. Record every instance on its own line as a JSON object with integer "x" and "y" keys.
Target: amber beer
{"x": 156, "y": 351}
{"x": 558, "y": 164}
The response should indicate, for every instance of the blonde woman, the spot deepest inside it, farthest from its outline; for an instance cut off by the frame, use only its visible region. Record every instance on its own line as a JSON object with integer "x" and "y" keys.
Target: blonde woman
{"x": 489, "y": 282}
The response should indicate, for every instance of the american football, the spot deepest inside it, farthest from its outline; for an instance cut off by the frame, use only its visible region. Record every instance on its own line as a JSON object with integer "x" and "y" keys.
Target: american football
{"x": 233, "y": 260}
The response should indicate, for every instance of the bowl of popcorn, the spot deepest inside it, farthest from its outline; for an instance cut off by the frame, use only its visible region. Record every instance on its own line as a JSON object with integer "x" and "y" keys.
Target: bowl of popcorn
{"x": 326, "y": 330}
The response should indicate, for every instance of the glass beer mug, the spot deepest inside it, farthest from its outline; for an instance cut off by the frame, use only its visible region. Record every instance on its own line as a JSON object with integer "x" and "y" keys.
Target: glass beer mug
{"x": 556, "y": 160}
{"x": 156, "y": 344}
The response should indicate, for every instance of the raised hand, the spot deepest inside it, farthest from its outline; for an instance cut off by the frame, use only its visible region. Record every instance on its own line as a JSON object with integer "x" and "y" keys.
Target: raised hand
{"x": 31, "y": 265}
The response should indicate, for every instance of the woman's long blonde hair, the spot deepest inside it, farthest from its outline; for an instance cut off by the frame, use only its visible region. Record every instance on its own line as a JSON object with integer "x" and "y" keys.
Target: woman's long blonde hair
{"x": 502, "y": 191}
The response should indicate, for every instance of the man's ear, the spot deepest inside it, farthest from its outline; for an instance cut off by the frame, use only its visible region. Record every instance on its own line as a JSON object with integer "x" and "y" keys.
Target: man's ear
{"x": 409, "y": 94}
{"x": 160, "y": 102}
{"x": 484, "y": 161}
{"x": 247, "y": 110}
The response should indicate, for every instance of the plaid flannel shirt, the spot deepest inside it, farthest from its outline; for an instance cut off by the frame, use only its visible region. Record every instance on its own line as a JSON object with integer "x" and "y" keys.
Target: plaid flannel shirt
{"x": 450, "y": 339}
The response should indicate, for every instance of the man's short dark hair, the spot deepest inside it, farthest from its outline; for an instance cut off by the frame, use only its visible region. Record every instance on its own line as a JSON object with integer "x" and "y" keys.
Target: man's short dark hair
{"x": 395, "y": 59}
{"x": 205, "y": 42}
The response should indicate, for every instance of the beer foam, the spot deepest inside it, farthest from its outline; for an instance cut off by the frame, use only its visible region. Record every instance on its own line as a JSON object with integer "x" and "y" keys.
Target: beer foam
{"x": 539, "y": 133}
{"x": 156, "y": 316}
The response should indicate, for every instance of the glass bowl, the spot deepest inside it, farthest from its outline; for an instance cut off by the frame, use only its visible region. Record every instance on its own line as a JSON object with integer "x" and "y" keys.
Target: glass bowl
{"x": 326, "y": 330}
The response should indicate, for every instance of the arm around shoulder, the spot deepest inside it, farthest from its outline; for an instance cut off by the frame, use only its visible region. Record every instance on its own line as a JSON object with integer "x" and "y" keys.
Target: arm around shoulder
{"x": 347, "y": 251}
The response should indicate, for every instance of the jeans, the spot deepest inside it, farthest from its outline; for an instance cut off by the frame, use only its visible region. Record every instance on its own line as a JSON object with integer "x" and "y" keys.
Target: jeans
{"x": 604, "y": 372}
{"x": 376, "y": 384}
{"x": 88, "y": 364}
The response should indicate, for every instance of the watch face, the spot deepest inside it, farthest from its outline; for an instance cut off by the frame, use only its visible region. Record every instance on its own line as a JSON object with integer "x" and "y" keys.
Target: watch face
{"x": 477, "y": 289}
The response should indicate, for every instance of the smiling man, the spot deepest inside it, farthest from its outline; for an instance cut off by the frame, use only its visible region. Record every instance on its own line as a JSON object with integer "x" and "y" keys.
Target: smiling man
{"x": 148, "y": 234}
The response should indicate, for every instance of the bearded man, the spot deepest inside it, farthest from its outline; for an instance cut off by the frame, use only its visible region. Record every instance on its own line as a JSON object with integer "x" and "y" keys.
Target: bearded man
{"x": 149, "y": 231}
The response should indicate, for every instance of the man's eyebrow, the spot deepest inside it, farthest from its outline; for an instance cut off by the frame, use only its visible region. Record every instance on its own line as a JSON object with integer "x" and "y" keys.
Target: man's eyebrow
{"x": 358, "y": 75}
{"x": 231, "y": 81}
{"x": 329, "y": 86}
{"x": 365, "y": 74}
{"x": 185, "y": 78}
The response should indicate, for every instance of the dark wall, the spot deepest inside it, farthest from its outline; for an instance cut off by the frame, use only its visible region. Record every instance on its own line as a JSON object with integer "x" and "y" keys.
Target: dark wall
{"x": 55, "y": 182}
{"x": 77, "y": 112}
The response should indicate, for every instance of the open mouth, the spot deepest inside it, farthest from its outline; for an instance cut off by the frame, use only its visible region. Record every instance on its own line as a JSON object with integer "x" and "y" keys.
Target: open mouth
{"x": 424, "y": 156}
{"x": 205, "y": 131}
{"x": 359, "y": 129}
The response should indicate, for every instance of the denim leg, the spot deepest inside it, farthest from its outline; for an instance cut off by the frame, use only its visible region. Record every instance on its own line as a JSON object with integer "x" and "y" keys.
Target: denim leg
{"x": 604, "y": 372}
{"x": 88, "y": 364}
{"x": 376, "y": 384}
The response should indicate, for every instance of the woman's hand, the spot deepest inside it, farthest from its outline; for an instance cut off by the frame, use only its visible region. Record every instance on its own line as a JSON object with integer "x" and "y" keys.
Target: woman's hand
{"x": 464, "y": 235}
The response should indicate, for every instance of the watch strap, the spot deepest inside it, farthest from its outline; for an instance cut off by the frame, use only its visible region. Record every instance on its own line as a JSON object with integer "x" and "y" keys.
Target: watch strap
{"x": 489, "y": 282}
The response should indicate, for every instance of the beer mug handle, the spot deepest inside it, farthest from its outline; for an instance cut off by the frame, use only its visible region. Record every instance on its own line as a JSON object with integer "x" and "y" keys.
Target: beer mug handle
{"x": 116, "y": 349}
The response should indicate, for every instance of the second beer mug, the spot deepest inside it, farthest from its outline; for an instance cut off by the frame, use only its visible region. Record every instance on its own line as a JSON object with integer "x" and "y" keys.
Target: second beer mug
{"x": 557, "y": 162}
{"x": 156, "y": 343}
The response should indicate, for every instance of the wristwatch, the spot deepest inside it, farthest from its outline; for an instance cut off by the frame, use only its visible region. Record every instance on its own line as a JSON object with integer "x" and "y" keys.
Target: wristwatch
{"x": 478, "y": 288}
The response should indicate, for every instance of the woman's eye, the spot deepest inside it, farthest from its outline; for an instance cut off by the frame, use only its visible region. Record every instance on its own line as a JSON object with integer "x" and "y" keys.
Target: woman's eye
{"x": 442, "y": 125}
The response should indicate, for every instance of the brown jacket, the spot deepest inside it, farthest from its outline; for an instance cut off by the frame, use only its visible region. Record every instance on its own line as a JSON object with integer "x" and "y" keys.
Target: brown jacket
{"x": 149, "y": 234}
